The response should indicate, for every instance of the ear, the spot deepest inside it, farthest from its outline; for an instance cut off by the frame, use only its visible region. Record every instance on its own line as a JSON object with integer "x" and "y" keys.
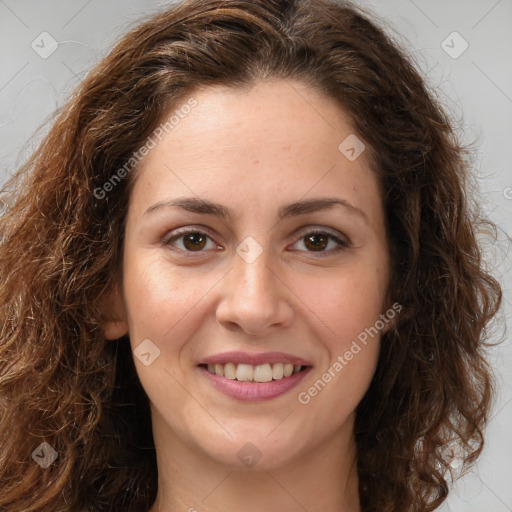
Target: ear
{"x": 390, "y": 317}
{"x": 388, "y": 326}
{"x": 114, "y": 324}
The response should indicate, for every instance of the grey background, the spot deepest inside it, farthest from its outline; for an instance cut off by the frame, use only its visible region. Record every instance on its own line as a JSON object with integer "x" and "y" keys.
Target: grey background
{"x": 475, "y": 87}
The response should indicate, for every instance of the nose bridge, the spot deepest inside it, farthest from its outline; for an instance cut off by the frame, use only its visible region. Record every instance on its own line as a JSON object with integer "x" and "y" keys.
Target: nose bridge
{"x": 252, "y": 277}
{"x": 253, "y": 297}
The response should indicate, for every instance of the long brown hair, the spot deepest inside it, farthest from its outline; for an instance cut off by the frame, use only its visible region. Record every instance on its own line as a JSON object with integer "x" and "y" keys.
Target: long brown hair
{"x": 61, "y": 239}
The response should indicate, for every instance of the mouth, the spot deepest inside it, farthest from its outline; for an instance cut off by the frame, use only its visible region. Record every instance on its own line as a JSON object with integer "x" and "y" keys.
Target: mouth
{"x": 254, "y": 377}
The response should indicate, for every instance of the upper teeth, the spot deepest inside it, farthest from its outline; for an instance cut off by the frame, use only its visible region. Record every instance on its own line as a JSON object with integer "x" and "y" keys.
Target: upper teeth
{"x": 260, "y": 373}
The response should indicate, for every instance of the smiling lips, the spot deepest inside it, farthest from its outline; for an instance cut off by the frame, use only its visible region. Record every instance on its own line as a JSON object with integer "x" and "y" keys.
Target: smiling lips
{"x": 252, "y": 377}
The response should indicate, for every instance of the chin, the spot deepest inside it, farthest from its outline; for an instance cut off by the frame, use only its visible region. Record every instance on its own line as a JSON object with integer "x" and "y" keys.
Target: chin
{"x": 254, "y": 450}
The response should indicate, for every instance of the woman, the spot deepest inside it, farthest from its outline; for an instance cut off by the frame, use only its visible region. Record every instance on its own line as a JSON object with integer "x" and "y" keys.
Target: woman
{"x": 241, "y": 273}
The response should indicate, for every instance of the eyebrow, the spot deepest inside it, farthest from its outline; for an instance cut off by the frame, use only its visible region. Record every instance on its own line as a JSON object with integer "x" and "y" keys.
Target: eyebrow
{"x": 203, "y": 206}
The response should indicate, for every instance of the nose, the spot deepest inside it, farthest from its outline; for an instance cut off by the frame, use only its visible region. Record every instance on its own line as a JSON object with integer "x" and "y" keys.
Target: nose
{"x": 255, "y": 297}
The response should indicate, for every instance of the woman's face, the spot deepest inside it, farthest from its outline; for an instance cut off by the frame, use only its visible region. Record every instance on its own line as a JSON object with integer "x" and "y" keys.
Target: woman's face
{"x": 250, "y": 286}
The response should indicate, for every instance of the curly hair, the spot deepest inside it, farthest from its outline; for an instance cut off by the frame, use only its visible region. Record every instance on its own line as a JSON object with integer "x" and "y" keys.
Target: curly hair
{"x": 61, "y": 240}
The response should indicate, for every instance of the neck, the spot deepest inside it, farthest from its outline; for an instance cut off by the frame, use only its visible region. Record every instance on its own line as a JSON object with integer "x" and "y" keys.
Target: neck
{"x": 325, "y": 478}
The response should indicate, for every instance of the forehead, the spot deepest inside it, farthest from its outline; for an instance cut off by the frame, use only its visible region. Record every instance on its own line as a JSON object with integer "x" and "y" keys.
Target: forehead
{"x": 277, "y": 111}
{"x": 275, "y": 139}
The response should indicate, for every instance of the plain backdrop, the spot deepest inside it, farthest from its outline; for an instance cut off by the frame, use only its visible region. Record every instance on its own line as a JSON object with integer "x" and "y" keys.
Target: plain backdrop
{"x": 464, "y": 49}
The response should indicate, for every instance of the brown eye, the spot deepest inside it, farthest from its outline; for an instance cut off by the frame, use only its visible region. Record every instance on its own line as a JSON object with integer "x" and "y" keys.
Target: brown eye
{"x": 319, "y": 241}
{"x": 316, "y": 242}
{"x": 194, "y": 241}
{"x": 191, "y": 241}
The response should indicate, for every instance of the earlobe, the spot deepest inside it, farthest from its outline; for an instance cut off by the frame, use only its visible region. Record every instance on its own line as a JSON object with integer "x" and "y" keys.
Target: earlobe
{"x": 114, "y": 329}
{"x": 389, "y": 318}
{"x": 388, "y": 326}
{"x": 114, "y": 324}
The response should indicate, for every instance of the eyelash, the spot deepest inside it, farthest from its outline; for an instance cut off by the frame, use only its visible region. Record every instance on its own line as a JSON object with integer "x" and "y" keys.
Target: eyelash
{"x": 342, "y": 244}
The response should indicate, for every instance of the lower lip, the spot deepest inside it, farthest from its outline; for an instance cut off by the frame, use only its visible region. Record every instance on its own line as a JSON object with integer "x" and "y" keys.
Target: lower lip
{"x": 254, "y": 391}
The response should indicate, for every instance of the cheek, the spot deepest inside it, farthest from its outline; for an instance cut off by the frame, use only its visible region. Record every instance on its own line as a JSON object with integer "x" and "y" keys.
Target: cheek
{"x": 160, "y": 301}
{"x": 334, "y": 394}
{"x": 350, "y": 307}
{"x": 347, "y": 303}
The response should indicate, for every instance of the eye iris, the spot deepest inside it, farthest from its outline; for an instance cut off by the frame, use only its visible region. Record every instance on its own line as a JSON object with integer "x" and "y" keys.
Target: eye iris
{"x": 324, "y": 241}
{"x": 194, "y": 238}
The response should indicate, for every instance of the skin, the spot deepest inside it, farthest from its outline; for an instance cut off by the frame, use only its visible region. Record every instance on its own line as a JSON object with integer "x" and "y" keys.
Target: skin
{"x": 254, "y": 151}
